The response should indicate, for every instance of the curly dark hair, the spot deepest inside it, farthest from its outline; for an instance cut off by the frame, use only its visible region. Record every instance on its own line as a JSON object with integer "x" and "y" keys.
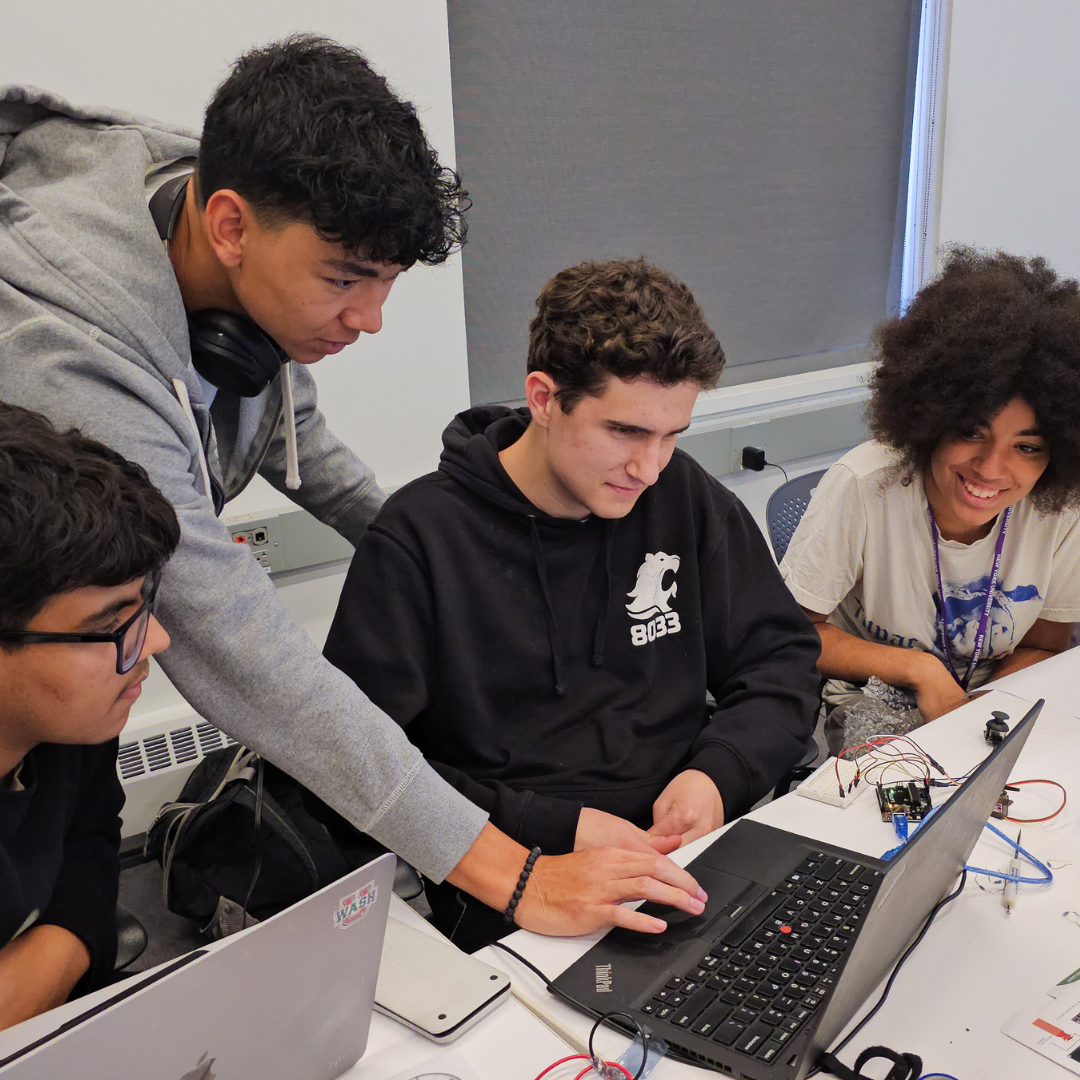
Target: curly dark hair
{"x": 72, "y": 513}
{"x": 305, "y": 130}
{"x": 993, "y": 327}
{"x": 624, "y": 318}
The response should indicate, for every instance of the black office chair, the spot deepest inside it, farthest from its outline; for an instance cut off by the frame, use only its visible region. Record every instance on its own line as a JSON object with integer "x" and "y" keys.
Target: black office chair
{"x": 785, "y": 509}
{"x": 130, "y": 938}
{"x": 787, "y": 504}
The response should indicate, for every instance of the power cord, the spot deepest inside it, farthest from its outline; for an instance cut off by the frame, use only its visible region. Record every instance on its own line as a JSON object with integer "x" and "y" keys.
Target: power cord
{"x": 823, "y": 1060}
{"x": 753, "y": 458}
{"x": 642, "y": 1033}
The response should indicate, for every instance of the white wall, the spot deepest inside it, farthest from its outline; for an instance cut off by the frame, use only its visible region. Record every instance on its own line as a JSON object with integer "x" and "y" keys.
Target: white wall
{"x": 389, "y": 396}
{"x": 1012, "y": 155}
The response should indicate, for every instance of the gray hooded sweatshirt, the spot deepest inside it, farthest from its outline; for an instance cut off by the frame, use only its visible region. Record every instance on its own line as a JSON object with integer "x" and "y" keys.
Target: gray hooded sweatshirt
{"x": 93, "y": 334}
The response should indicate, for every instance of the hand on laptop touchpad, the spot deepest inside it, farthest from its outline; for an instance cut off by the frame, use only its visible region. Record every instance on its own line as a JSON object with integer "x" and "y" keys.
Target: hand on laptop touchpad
{"x": 722, "y": 888}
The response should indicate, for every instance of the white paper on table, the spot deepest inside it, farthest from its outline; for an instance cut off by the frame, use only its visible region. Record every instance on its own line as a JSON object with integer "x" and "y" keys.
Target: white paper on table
{"x": 450, "y": 1065}
{"x": 1053, "y": 1028}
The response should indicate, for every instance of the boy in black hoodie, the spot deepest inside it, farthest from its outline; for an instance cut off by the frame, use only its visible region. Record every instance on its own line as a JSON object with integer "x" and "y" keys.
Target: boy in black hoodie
{"x": 545, "y": 613}
{"x": 83, "y": 536}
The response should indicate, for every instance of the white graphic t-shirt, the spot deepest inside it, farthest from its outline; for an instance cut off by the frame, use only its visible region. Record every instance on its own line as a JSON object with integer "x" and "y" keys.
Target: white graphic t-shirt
{"x": 863, "y": 552}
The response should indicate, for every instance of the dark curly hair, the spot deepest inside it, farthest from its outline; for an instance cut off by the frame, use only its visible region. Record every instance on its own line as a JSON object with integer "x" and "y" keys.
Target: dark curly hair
{"x": 72, "y": 513}
{"x": 624, "y": 318}
{"x": 305, "y": 130}
{"x": 993, "y": 327}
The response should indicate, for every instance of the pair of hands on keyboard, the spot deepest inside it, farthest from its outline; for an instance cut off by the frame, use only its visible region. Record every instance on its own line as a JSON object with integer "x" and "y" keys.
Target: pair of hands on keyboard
{"x": 614, "y": 862}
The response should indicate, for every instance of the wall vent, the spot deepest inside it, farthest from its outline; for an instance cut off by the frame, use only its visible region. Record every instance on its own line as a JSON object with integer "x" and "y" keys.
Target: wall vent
{"x": 154, "y": 766}
{"x": 181, "y": 746}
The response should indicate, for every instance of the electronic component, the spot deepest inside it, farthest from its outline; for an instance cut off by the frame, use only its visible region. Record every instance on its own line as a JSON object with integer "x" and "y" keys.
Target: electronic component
{"x": 996, "y": 728}
{"x": 825, "y": 785}
{"x": 911, "y": 798}
{"x": 1001, "y": 807}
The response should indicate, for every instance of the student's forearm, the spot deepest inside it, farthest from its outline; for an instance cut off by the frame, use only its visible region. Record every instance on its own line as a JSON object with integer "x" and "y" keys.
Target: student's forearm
{"x": 575, "y": 893}
{"x": 844, "y": 656}
{"x": 490, "y": 867}
{"x": 1020, "y": 659}
{"x": 38, "y": 971}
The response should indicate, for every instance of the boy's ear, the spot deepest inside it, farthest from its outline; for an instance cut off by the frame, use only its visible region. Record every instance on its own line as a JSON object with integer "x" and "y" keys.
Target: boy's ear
{"x": 228, "y": 217}
{"x": 540, "y": 390}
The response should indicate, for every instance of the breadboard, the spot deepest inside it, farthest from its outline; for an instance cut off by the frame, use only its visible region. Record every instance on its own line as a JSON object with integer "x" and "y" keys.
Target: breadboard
{"x": 822, "y": 787}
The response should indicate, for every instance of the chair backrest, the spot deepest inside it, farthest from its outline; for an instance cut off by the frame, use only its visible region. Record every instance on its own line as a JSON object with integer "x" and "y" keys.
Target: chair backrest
{"x": 787, "y": 504}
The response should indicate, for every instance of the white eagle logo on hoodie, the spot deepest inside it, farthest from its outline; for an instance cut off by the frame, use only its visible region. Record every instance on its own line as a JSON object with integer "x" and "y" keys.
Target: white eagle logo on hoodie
{"x": 649, "y": 597}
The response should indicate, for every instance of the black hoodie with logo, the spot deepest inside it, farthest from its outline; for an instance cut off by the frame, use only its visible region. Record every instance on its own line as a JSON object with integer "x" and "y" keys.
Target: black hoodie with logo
{"x": 542, "y": 664}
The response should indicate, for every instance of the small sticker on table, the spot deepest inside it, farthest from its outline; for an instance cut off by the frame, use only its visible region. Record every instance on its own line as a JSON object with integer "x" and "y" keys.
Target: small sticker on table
{"x": 352, "y": 908}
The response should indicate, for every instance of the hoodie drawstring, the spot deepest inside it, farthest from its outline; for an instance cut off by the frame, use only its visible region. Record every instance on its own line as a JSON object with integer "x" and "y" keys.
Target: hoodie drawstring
{"x": 185, "y": 404}
{"x": 554, "y": 641}
{"x": 554, "y": 638}
{"x": 292, "y": 461}
{"x": 600, "y": 634}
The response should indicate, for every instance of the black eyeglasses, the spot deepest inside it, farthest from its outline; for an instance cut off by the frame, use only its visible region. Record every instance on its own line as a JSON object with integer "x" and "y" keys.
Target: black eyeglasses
{"x": 128, "y": 638}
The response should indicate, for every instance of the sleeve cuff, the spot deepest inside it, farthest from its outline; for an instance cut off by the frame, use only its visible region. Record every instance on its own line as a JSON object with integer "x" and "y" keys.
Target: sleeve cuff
{"x": 726, "y": 770}
{"x": 454, "y": 824}
{"x": 96, "y": 931}
{"x": 550, "y": 823}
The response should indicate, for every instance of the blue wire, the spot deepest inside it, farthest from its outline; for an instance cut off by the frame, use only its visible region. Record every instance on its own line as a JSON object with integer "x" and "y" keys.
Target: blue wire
{"x": 935, "y": 1076}
{"x": 999, "y": 874}
{"x": 1015, "y": 877}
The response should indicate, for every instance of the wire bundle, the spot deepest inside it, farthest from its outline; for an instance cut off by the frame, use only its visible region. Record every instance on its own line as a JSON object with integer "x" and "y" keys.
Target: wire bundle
{"x": 1035, "y": 820}
{"x": 874, "y": 759}
{"x": 610, "y": 1070}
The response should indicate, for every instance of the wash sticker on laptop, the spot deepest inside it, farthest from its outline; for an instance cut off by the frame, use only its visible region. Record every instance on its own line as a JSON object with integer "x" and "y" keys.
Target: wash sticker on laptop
{"x": 352, "y": 908}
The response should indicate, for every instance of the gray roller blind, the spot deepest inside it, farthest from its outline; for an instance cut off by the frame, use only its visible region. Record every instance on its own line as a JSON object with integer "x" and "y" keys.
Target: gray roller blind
{"x": 756, "y": 148}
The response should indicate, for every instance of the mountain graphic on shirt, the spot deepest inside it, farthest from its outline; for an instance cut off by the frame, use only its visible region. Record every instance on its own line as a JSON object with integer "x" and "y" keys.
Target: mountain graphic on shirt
{"x": 964, "y": 606}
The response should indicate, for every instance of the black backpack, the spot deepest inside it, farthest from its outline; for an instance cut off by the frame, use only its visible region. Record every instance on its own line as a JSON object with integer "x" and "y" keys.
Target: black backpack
{"x": 245, "y": 840}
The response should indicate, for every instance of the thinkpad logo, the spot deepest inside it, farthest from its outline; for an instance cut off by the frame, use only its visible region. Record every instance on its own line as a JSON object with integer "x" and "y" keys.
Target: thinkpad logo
{"x": 603, "y": 978}
{"x": 650, "y": 599}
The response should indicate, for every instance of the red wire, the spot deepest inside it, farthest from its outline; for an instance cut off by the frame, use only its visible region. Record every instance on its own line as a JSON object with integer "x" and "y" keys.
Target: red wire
{"x": 562, "y": 1061}
{"x": 609, "y": 1064}
{"x": 586, "y": 1069}
{"x": 1036, "y": 820}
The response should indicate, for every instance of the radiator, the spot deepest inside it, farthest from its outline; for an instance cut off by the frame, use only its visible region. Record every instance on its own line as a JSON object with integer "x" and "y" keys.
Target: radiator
{"x": 155, "y": 761}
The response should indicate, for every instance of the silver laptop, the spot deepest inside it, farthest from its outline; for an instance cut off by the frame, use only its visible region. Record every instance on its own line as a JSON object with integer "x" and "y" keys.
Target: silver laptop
{"x": 290, "y": 998}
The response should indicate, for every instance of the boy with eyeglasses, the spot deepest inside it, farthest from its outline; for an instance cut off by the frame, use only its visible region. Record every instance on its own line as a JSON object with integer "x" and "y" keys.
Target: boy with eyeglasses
{"x": 83, "y": 537}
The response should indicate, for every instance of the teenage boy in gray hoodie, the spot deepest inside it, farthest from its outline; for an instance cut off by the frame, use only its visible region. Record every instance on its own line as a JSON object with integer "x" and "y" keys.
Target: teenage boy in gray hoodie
{"x": 312, "y": 189}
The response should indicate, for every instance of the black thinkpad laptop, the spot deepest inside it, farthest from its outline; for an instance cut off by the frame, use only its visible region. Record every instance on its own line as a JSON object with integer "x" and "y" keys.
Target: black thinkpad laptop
{"x": 795, "y": 936}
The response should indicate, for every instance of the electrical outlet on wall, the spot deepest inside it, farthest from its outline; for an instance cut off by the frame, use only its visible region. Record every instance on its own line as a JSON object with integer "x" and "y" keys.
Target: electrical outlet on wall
{"x": 262, "y": 538}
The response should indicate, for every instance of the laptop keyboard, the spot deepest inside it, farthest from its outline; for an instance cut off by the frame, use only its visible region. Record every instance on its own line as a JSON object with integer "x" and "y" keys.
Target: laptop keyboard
{"x": 761, "y": 982}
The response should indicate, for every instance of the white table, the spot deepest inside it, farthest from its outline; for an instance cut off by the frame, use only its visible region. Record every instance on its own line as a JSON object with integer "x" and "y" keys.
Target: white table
{"x": 973, "y": 971}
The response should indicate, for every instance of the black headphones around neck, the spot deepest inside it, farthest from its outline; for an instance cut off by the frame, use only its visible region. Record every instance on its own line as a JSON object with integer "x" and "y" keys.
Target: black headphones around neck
{"x": 227, "y": 350}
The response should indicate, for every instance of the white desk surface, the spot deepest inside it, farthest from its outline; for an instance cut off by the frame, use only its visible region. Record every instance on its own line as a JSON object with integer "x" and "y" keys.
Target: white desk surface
{"x": 973, "y": 971}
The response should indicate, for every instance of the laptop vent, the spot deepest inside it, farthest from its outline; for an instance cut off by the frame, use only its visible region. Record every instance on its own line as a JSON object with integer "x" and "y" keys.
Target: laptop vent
{"x": 704, "y": 1059}
{"x": 181, "y": 746}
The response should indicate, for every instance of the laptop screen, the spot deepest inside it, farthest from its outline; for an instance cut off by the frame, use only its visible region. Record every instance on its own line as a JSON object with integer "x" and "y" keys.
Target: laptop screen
{"x": 922, "y": 872}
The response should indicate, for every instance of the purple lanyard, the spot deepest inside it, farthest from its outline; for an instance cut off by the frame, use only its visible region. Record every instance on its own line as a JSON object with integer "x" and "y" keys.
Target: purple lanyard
{"x": 984, "y": 619}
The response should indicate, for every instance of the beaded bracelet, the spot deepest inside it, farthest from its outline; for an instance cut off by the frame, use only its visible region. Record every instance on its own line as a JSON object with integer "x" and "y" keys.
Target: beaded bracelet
{"x": 530, "y": 862}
